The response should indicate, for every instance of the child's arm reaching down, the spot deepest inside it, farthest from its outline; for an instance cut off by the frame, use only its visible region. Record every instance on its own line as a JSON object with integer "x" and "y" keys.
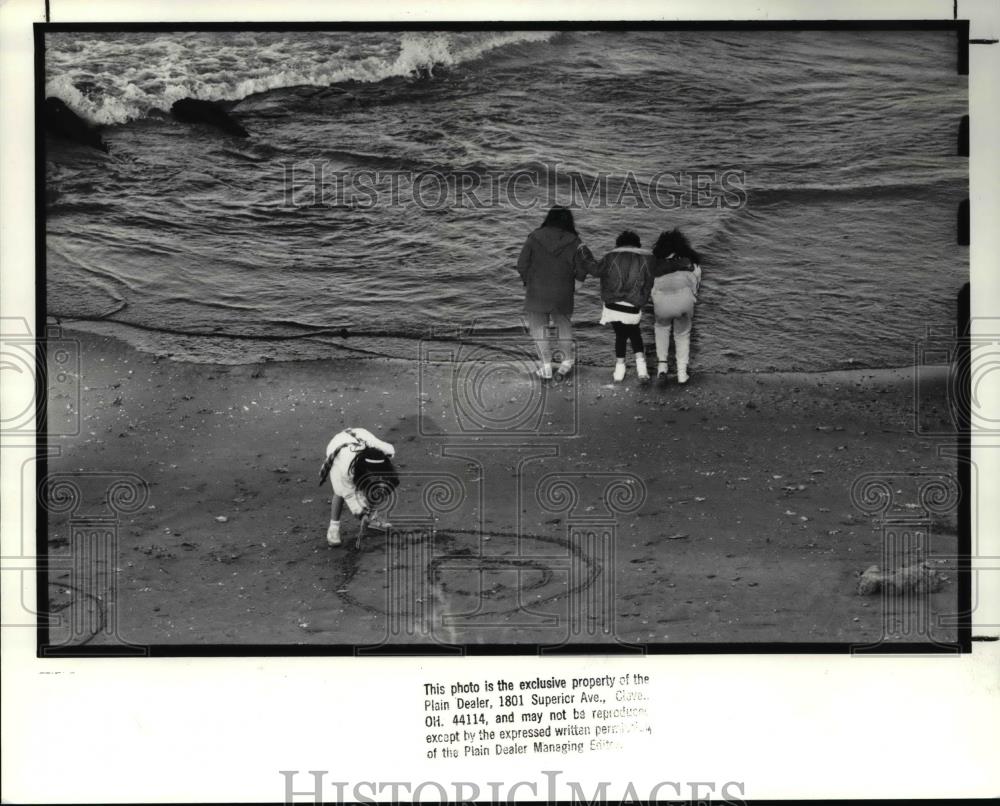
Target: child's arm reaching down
{"x": 357, "y": 503}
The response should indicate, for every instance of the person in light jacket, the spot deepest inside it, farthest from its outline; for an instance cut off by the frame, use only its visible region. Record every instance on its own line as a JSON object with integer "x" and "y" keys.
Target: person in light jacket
{"x": 676, "y": 279}
{"x": 552, "y": 260}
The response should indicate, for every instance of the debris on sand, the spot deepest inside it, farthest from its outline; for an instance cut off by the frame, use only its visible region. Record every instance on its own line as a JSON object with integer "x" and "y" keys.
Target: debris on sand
{"x": 916, "y": 578}
{"x": 222, "y": 518}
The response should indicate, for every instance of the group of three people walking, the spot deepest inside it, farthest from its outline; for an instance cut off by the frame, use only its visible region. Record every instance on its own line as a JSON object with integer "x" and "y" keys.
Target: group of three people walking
{"x": 554, "y": 258}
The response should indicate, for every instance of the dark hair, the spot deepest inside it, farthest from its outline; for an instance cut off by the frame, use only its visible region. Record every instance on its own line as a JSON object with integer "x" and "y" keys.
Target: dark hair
{"x": 374, "y": 475}
{"x": 675, "y": 243}
{"x": 628, "y": 238}
{"x": 561, "y": 218}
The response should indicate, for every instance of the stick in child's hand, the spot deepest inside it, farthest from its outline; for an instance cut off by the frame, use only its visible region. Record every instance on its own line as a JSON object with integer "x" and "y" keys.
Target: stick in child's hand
{"x": 361, "y": 531}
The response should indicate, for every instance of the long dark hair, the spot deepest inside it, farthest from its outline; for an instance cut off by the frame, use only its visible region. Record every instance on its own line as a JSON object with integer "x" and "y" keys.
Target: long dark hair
{"x": 675, "y": 242}
{"x": 374, "y": 475}
{"x": 561, "y": 218}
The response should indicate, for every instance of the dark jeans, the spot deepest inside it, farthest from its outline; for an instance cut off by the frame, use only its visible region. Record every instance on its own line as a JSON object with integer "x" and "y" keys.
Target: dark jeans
{"x": 625, "y": 333}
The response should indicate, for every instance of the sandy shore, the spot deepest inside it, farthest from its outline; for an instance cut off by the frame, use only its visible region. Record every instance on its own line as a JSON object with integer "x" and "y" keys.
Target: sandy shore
{"x": 715, "y": 512}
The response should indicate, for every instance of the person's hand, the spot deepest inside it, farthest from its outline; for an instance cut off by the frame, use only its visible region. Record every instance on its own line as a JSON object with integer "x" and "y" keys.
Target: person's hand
{"x": 374, "y": 522}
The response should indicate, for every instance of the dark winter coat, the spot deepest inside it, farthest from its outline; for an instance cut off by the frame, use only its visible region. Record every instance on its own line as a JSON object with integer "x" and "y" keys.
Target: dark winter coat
{"x": 551, "y": 262}
{"x": 626, "y": 276}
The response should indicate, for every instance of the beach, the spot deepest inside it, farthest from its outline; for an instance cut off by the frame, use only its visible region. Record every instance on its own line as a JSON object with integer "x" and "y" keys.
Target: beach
{"x": 715, "y": 512}
{"x": 341, "y": 252}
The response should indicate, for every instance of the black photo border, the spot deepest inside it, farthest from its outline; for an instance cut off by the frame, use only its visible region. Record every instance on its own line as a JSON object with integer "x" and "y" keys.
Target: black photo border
{"x": 959, "y": 370}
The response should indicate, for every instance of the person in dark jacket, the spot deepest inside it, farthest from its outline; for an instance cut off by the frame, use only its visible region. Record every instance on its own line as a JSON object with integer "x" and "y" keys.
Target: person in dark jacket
{"x": 552, "y": 260}
{"x": 626, "y": 280}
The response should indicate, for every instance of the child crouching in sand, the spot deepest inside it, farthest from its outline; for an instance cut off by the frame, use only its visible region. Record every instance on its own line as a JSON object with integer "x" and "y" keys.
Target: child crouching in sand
{"x": 626, "y": 279}
{"x": 677, "y": 276}
{"x": 359, "y": 466}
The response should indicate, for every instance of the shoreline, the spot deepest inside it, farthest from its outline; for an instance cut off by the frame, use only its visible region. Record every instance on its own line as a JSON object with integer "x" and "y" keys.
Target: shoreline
{"x": 725, "y": 504}
{"x": 92, "y": 329}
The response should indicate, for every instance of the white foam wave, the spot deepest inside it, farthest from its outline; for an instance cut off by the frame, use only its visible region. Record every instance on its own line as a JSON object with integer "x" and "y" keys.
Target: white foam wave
{"x": 112, "y": 81}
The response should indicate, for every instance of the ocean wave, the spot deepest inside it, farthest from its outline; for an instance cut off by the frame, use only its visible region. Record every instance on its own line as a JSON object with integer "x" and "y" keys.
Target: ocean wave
{"x": 799, "y": 193}
{"x": 109, "y": 85}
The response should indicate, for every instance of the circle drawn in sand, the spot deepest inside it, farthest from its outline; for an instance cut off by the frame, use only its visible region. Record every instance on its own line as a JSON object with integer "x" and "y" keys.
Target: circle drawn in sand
{"x": 451, "y": 584}
{"x": 489, "y": 393}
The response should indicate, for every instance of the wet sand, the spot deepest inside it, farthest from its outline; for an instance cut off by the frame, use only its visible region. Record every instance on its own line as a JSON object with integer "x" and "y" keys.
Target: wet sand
{"x": 580, "y": 512}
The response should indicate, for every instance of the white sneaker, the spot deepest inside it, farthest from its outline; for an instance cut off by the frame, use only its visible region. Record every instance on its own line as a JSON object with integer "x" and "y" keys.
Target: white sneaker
{"x": 333, "y": 534}
{"x": 619, "y": 375}
{"x": 640, "y": 367}
{"x": 682, "y": 375}
{"x": 565, "y": 368}
{"x": 544, "y": 372}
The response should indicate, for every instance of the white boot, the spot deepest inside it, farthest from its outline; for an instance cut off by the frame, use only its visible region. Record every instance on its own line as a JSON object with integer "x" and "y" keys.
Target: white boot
{"x": 640, "y": 367}
{"x": 619, "y": 375}
{"x": 683, "y": 343}
{"x": 333, "y": 533}
{"x": 662, "y": 350}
